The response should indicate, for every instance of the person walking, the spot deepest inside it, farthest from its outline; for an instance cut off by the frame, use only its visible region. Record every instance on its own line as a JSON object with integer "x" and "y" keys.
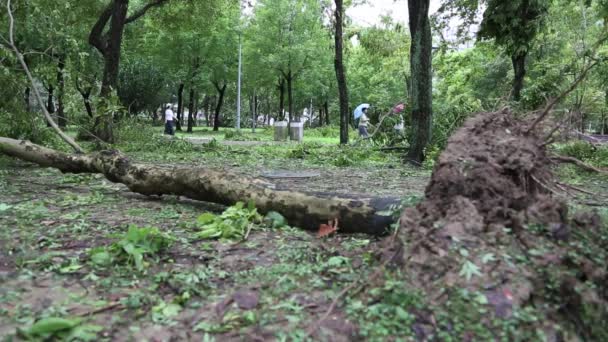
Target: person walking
{"x": 169, "y": 120}
{"x": 363, "y": 122}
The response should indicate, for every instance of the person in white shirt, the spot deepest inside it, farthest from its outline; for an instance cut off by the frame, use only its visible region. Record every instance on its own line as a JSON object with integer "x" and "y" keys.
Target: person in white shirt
{"x": 169, "y": 121}
{"x": 363, "y": 121}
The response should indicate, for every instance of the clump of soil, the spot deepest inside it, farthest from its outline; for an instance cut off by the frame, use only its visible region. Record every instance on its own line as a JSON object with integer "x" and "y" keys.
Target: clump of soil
{"x": 490, "y": 235}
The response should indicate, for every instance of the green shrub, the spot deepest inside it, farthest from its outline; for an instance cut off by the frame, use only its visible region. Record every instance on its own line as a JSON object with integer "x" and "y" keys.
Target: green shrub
{"x": 135, "y": 135}
{"x": 28, "y": 126}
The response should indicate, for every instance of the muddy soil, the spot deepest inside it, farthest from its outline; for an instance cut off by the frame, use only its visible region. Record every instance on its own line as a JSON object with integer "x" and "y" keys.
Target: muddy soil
{"x": 274, "y": 285}
{"x": 491, "y": 232}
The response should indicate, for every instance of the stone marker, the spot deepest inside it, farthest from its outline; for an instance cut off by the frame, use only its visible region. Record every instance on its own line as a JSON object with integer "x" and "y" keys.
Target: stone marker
{"x": 296, "y": 131}
{"x": 280, "y": 131}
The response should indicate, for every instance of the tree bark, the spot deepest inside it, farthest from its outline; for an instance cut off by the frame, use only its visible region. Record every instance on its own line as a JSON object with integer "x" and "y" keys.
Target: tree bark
{"x": 254, "y": 111}
{"x": 191, "y": 111}
{"x": 289, "y": 78}
{"x": 421, "y": 87}
{"x": 326, "y": 110}
{"x": 519, "y": 70}
{"x": 340, "y": 73}
{"x": 86, "y": 98}
{"x": 50, "y": 105}
{"x": 207, "y": 109}
{"x": 26, "y": 97}
{"x": 61, "y": 119}
{"x": 180, "y": 106}
{"x": 304, "y": 210}
{"x": 221, "y": 91}
{"x": 321, "y": 117}
{"x": 281, "y": 115}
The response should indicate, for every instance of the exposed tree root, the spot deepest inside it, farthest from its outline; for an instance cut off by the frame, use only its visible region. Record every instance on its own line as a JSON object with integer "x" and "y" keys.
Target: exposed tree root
{"x": 306, "y": 210}
{"x": 490, "y": 225}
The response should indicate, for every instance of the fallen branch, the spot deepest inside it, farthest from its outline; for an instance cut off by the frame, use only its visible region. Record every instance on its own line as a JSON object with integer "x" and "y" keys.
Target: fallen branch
{"x": 579, "y": 163}
{"x": 382, "y": 118}
{"x": 48, "y": 117}
{"x": 357, "y": 214}
{"x": 573, "y": 86}
{"x": 576, "y": 188}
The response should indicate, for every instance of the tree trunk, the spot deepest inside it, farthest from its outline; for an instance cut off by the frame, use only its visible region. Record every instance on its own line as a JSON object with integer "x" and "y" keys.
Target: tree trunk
{"x": 191, "y": 111}
{"x": 86, "y": 97}
{"x": 254, "y": 111}
{"x": 326, "y": 110}
{"x": 61, "y": 119}
{"x": 340, "y": 73}
{"x": 320, "y": 116}
{"x": 420, "y": 69}
{"x": 281, "y": 87}
{"x": 108, "y": 43}
{"x": 305, "y": 210}
{"x": 50, "y": 105}
{"x": 519, "y": 69}
{"x": 196, "y": 108}
{"x": 218, "y": 107}
{"x": 180, "y": 106}
{"x": 26, "y": 97}
{"x": 290, "y": 94}
{"x": 207, "y": 109}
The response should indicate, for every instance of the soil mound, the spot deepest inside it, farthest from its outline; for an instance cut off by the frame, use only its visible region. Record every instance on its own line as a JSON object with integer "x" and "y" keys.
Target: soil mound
{"x": 490, "y": 244}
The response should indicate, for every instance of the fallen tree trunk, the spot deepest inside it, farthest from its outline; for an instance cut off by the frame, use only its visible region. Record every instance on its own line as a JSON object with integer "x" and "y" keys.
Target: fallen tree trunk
{"x": 305, "y": 210}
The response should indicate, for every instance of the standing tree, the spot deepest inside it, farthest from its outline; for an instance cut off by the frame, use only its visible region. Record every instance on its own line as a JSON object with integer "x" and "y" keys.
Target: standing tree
{"x": 421, "y": 79}
{"x": 108, "y": 43}
{"x": 513, "y": 25}
{"x": 340, "y": 73}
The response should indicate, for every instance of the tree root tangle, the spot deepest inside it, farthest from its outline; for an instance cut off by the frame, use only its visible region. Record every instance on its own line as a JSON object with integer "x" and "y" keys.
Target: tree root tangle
{"x": 490, "y": 226}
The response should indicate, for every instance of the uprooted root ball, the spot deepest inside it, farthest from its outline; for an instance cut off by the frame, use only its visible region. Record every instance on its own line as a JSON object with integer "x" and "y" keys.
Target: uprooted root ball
{"x": 491, "y": 247}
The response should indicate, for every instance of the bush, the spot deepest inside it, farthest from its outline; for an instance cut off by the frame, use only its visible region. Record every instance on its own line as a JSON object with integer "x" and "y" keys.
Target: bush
{"x": 140, "y": 136}
{"x": 28, "y": 126}
{"x": 324, "y": 131}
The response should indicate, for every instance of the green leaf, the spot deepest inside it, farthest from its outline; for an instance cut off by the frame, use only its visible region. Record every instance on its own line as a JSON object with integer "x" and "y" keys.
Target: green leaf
{"x": 171, "y": 310}
{"x": 4, "y": 207}
{"x": 275, "y": 220}
{"x": 86, "y": 332}
{"x": 488, "y": 257}
{"x": 481, "y": 299}
{"x": 51, "y": 325}
{"x": 336, "y": 261}
{"x": 70, "y": 268}
{"x": 469, "y": 270}
{"x": 205, "y": 218}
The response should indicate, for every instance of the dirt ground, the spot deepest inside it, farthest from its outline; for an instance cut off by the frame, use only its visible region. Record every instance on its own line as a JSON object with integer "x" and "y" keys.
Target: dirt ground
{"x": 274, "y": 285}
{"x": 279, "y": 284}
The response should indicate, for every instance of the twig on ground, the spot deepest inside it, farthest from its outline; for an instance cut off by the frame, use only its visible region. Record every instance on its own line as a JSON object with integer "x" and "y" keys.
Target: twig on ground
{"x": 577, "y": 189}
{"x": 108, "y": 307}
